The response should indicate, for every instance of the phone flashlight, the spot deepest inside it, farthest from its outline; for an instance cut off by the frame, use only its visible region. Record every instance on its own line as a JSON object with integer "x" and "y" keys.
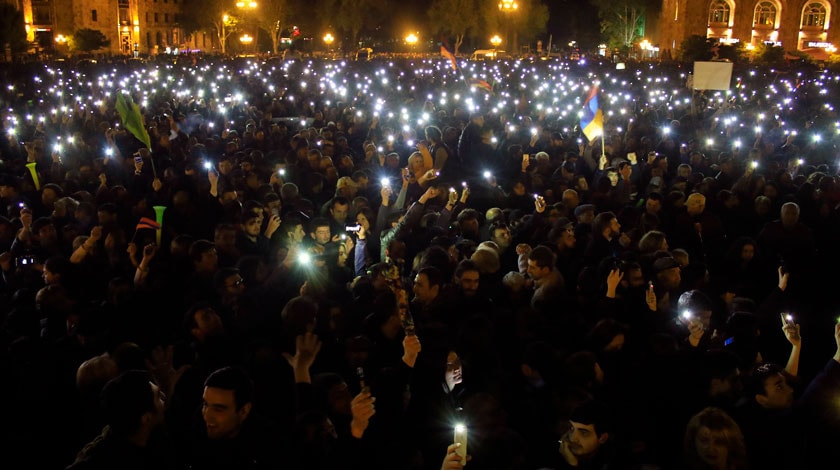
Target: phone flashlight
{"x": 533, "y": 131}
{"x": 281, "y": 171}
{"x": 461, "y": 438}
{"x": 304, "y": 258}
{"x": 385, "y": 182}
{"x": 109, "y": 151}
{"x": 57, "y": 147}
{"x": 451, "y": 190}
{"x": 800, "y": 161}
{"x": 536, "y": 196}
{"x": 687, "y": 315}
{"x": 464, "y": 184}
{"x": 488, "y": 175}
{"x": 787, "y": 319}
{"x": 208, "y": 165}
{"x": 754, "y": 164}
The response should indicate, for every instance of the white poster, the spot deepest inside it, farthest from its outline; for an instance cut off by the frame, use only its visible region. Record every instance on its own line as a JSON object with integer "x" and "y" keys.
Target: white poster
{"x": 712, "y": 75}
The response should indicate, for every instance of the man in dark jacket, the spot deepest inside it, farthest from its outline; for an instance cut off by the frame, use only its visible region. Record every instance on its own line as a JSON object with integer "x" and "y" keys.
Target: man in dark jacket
{"x": 134, "y": 411}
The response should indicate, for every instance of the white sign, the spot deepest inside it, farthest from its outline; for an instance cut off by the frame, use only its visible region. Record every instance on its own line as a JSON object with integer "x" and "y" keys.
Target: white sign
{"x": 712, "y": 75}
{"x": 821, "y": 45}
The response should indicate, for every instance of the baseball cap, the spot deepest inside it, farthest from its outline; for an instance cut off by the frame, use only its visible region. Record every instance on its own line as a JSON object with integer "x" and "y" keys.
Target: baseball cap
{"x": 583, "y": 208}
{"x": 665, "y": 263}
{"x": 563, "y": 223}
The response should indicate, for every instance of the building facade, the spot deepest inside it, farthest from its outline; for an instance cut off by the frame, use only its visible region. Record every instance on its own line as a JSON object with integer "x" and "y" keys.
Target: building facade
{"x": 795, "y": 25}
{"x": 141, "y": 26}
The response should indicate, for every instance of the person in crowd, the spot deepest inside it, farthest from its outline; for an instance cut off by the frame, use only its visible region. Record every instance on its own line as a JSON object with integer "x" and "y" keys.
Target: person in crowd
{"x": 589, "y": 256}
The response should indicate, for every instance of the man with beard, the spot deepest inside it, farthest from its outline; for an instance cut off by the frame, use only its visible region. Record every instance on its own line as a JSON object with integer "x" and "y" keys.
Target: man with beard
{"x": 500, "y": 234}
{"x": 589, "y": 442}
{"x": 467, "y": 299}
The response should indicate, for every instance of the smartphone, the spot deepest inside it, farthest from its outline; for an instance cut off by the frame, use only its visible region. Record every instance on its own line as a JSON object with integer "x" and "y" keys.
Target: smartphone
{"x": 138, "y": 158}
{"x": 408, "y": 324}
{"x": 25, "y": 260}
{"x": 461, "y": 438}
{"x": 352, "y": 228}
{"x": 360, "y": 373}
{"x": 787, "y": 319}
{"x": 728, "y": 341}
{"x": 208, "y": 165}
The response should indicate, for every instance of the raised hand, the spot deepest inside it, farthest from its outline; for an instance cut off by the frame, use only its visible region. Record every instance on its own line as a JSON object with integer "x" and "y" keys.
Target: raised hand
{"x": 362, "y": 409}
{"x": 411, "y": 349}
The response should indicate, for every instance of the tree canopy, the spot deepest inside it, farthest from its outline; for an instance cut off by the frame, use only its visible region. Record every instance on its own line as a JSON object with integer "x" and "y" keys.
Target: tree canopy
{"x": 12, "y": 31}
{"x": 89, "y": 40}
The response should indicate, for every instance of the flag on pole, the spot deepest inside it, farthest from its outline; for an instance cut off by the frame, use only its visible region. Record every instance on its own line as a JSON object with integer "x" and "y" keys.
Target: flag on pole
{"x": 132, "y": 119}
{"x": 447, "y": 54}
{"x": 481, "y": 84}
{"x": 592, "y": 119}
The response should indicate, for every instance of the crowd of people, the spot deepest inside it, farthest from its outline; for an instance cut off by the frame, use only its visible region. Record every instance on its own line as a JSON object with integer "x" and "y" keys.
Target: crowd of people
{"x": 327, "y": 265}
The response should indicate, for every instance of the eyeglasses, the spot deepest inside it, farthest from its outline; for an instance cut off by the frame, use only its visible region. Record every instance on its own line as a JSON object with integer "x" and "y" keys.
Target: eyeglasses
{"x": 237, "y": 283}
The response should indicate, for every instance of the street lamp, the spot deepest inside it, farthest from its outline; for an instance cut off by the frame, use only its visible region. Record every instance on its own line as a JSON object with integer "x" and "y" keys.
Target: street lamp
{"x": 495, "y": 41}
{"x": 251, "y": 6}
{"x": 246, "y": 39}
{"x": 645, "y": 46}
{"x": 507, "y": 7}
{"x": 411, "y": 40}
{"x": 328, "y": 40}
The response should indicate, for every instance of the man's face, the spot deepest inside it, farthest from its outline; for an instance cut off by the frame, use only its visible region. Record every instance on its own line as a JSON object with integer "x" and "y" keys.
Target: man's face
{"x": 790, "y": 216}
{"x": 586, "y": 217}
{"x": 747, "y": 252}
{"x": 615, "y": 227}
{"x": 583, "y": 440}
{"x": 670, "y": 278}
{"x": 501, "y": 236}
{"x": 469, "y": 283}
{"x": 634, "y": 277}
{"x": 613, "y": 176}
{"x": 321, "y": 235}
{"x": 423, "y": 291}
{"x": 208, "y": 323}
{"x": 296, "y": 235}
{"x": 695, "y": 204}
{"x": 653, "y": 206}
{"x": 252, "y": 227}
{"x": 222, "y": 419}
{"x": 778, "y": 394}
{"x": 567, "y": 239}
{"x": 225, "y": 166}
{"x": 339, "y": 212}
{"x": 535, "y": 271}
{"x": 625, "y": 171}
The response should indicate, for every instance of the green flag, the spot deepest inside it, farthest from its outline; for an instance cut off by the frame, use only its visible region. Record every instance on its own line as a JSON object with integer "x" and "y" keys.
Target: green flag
{"x": 132, "y": 120}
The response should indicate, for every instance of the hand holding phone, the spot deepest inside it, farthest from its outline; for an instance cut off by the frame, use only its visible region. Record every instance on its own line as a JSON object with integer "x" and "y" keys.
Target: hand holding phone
{"x": 461, "y": 440}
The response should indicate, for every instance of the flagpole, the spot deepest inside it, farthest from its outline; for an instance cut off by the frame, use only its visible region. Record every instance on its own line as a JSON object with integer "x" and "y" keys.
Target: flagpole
{"x": 603, "y": 151}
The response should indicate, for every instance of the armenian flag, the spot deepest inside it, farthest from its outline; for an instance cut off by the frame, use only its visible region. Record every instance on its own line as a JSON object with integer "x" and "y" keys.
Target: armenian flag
{"x": 592, "y": 119}
{"x": 447, "y": 54}
{"x": 482, "y": 84}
